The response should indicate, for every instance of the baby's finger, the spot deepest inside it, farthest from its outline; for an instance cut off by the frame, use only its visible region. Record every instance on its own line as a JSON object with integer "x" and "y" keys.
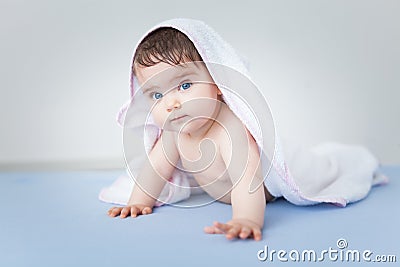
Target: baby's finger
{"x": 146, "y": 210}
{"x": 233, "y": 232}
{"x": 125, "y": 212}
{"x": 114, "y": 211}
{"x": 134, "y": 211}
{"x": 222, "y": 226}
{"x": 257, "y": 234}
{"x": 245, "y": 233}
{"x": 212, "y": 230}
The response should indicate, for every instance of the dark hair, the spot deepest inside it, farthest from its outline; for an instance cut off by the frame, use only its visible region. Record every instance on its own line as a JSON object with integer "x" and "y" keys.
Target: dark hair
{"x": 166, "y": 45}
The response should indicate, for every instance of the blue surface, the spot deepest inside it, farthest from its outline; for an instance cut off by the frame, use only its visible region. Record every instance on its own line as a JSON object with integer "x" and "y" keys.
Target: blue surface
{"x": 55, "y": 219}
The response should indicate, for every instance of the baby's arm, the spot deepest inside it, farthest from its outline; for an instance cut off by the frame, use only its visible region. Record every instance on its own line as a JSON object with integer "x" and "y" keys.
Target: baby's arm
{"x": 248, "y": 208}
{"x": 157, "y": 168}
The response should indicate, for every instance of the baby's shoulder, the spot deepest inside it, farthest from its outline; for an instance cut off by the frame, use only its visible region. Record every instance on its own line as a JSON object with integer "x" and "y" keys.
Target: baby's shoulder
{"x": 228, "y": 121}
{"x": 229, "y": 127}
{"x": 224, "y": 124}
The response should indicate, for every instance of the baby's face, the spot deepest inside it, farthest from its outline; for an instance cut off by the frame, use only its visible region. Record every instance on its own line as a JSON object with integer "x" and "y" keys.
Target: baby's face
{"x": 182, "y": 97}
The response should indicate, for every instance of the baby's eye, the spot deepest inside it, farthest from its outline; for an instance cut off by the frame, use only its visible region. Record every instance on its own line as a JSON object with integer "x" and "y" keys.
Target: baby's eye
{"x": 185, "y": 86}
{"x": 157, "y": 95}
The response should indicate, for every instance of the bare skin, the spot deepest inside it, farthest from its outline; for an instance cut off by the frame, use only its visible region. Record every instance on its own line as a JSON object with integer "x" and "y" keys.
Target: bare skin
{"x": 235, "y": 164}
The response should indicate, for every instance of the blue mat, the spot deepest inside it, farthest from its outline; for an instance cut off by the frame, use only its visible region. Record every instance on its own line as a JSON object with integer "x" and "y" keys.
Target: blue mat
{"x": 55, "y": 219}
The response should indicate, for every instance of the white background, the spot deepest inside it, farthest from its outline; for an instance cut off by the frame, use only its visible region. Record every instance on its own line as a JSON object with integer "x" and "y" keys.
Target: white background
{"x": 330, "y": 70}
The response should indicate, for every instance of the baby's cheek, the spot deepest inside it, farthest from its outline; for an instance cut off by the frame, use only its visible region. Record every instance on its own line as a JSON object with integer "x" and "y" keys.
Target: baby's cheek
{"x": 160, "y": 121}
{"x": 204, "y": 108}
{"x": 158, "y": 116}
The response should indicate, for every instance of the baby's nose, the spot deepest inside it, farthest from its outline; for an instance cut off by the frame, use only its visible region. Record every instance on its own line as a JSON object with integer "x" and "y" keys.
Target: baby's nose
{"x": 172, "y": 103}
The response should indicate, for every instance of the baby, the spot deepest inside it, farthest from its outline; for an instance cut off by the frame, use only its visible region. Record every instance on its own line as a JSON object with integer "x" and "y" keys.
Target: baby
{"x": 205, "y": 129}
{"x": 200, "y": 131}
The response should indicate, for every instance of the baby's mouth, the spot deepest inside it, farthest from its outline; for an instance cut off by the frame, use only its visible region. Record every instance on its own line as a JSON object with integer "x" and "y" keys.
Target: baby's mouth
{"x": 178, "y": 118}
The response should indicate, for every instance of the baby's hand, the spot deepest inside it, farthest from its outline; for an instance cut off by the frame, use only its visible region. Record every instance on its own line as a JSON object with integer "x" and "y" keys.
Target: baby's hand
{"x": 130, "y": 210}
{"x": 237, "y": 228}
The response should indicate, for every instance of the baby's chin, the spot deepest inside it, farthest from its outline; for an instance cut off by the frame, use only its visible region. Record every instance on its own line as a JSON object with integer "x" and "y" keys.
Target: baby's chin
{"x": 183, "y": 128}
